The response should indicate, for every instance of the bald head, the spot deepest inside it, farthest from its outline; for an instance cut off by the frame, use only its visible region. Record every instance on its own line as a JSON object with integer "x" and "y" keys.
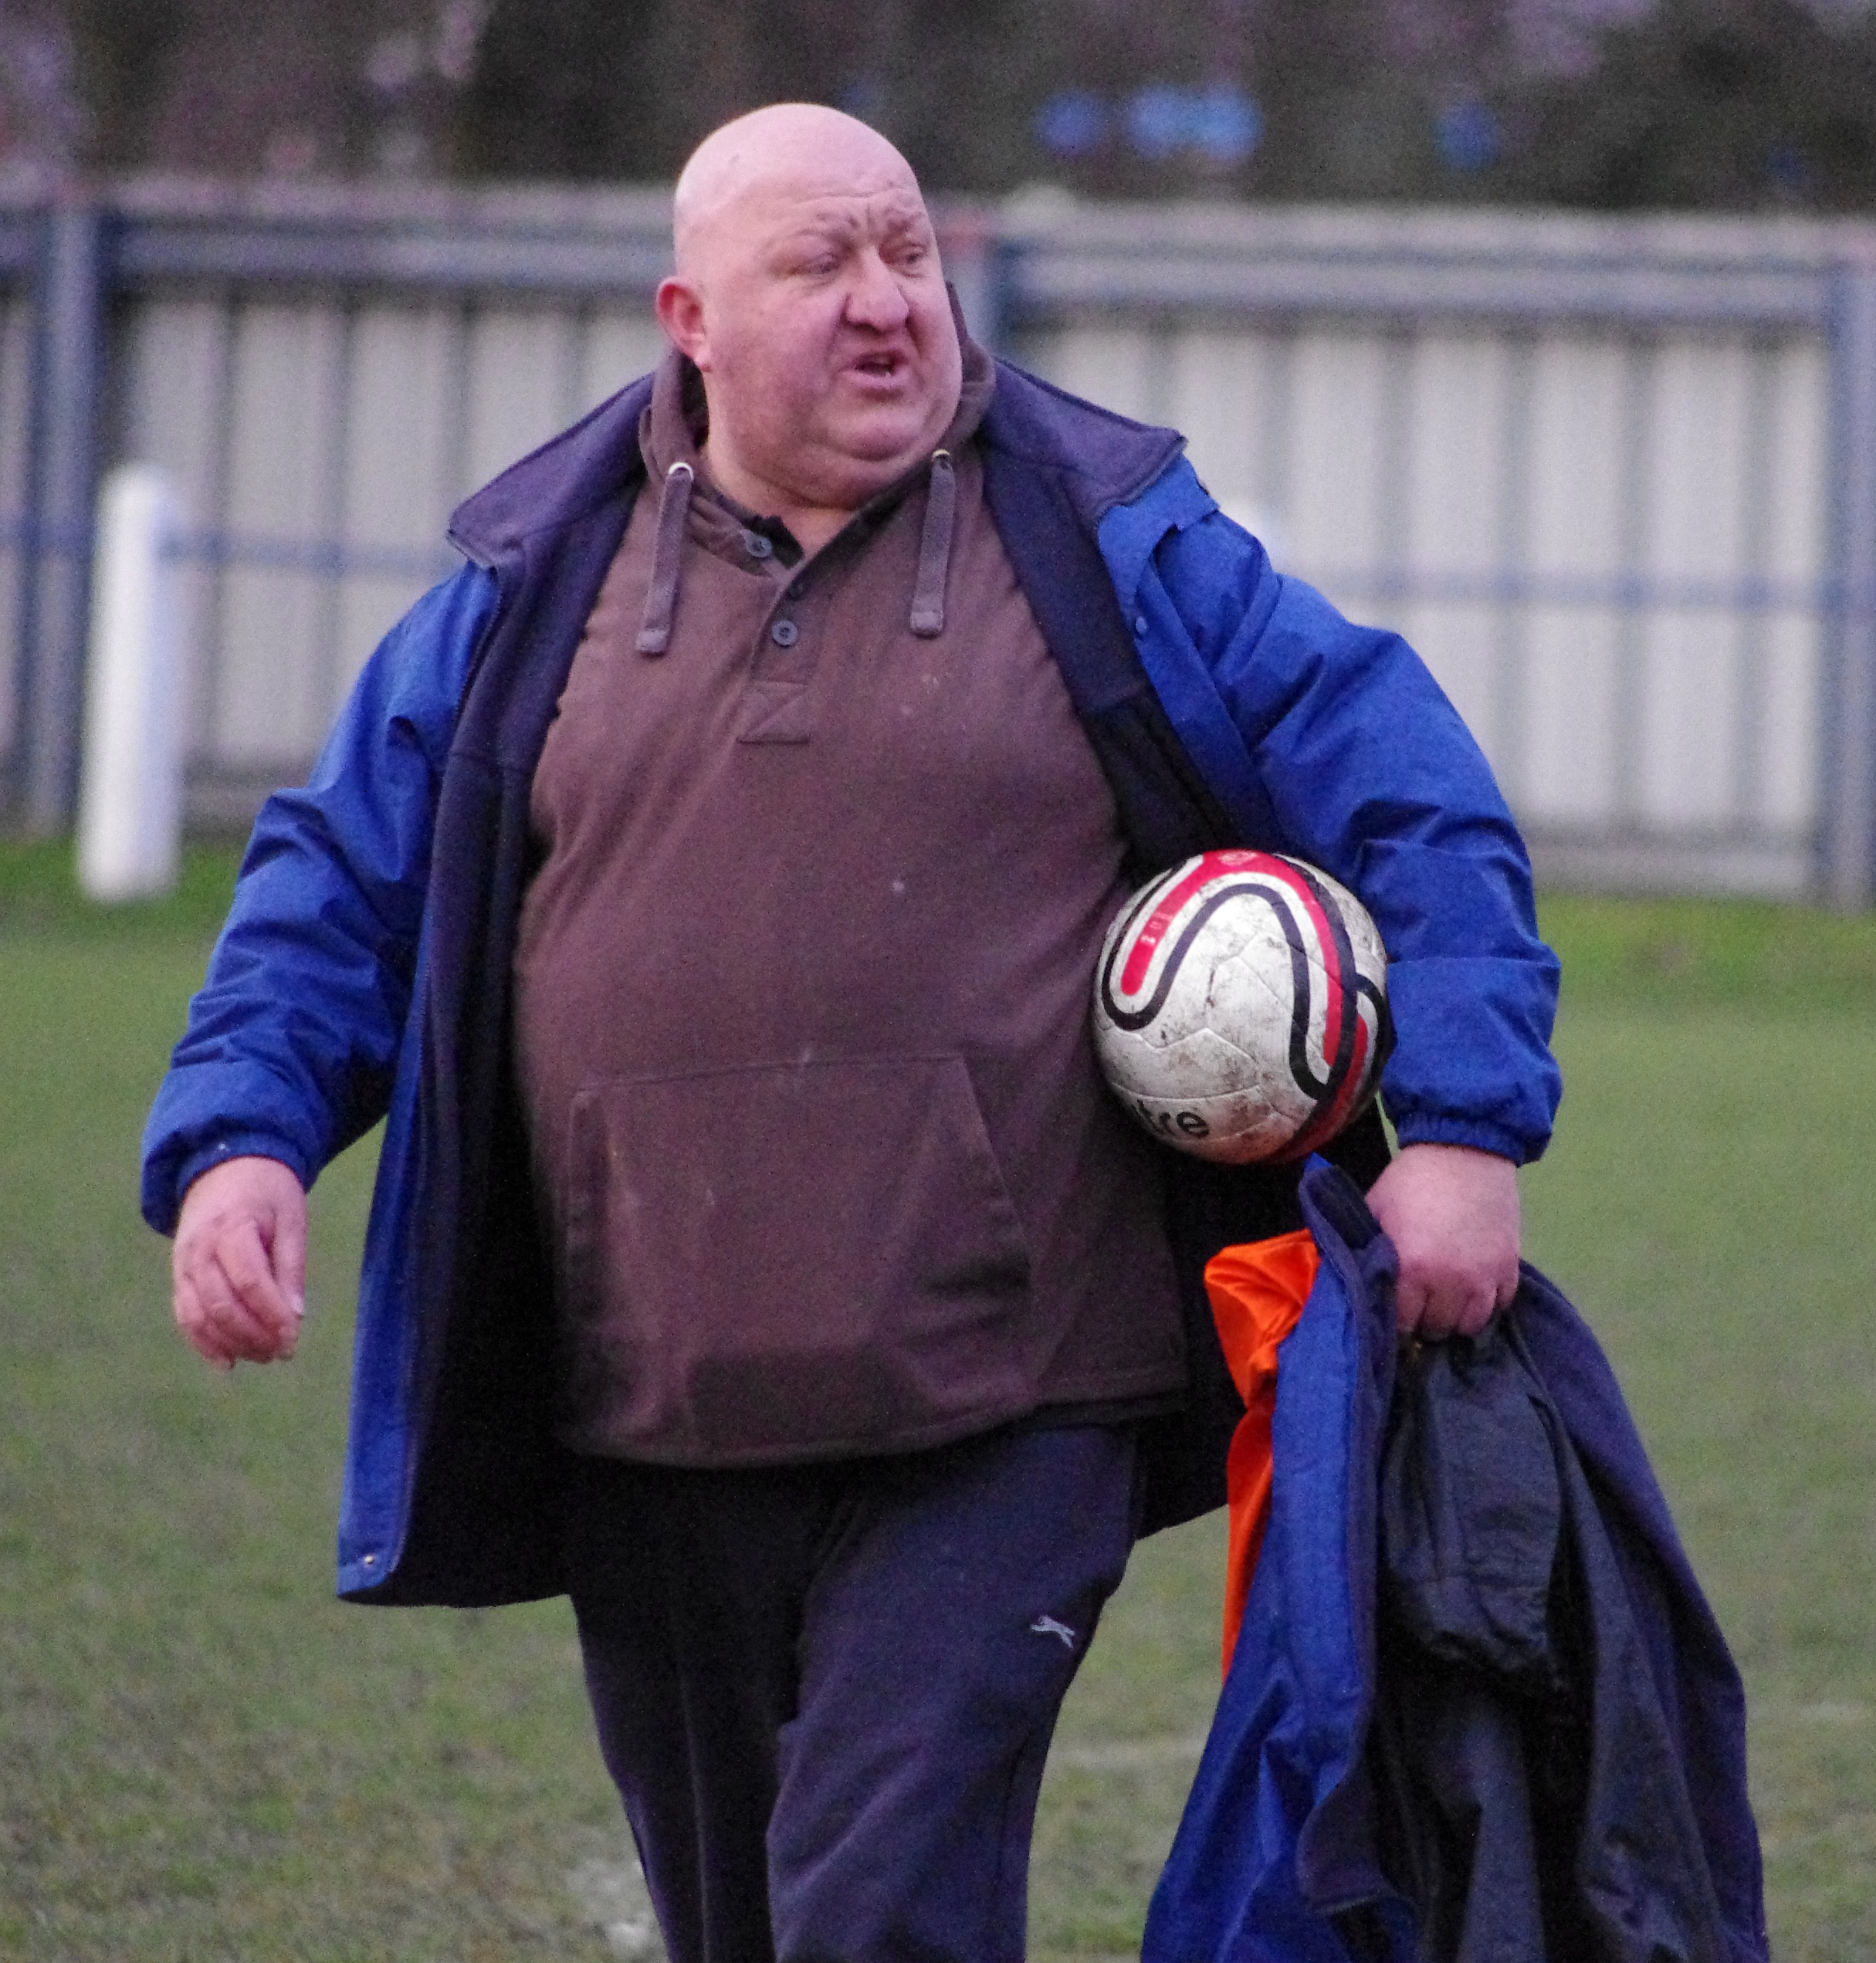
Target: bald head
{"x": 808, "y": 292}
{"x": 789, "y": 148}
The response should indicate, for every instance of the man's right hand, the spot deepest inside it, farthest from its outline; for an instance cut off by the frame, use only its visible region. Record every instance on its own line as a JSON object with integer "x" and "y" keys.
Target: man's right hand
{"x": 240, "y": 1262}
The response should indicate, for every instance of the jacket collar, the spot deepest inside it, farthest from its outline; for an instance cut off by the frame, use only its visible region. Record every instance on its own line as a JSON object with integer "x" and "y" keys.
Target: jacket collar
{"x": 1101, "y": 459}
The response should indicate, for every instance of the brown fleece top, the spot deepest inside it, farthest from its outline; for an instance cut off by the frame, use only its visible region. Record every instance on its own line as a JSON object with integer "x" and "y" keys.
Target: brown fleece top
{"x": 802, "y": 988}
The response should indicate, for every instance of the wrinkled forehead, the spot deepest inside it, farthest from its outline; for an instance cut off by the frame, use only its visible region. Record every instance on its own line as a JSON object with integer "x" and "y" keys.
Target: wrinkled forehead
{"x": 783, "y": 208}
{"x": 755, "y": 209}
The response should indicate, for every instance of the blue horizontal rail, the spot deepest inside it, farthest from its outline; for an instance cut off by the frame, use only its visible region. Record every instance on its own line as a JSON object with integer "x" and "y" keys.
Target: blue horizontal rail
{"x": 1620, "y": 591}
{"x": 327, "y": 558}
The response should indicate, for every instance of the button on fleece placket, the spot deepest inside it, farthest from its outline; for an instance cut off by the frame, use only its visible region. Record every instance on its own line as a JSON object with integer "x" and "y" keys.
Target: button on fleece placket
{"x": 787, "y": 647}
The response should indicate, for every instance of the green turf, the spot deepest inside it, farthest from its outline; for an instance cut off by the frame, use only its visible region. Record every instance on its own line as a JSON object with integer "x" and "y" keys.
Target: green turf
{"x": 1676, "y": 954}
{"x": 202, "y": 1756}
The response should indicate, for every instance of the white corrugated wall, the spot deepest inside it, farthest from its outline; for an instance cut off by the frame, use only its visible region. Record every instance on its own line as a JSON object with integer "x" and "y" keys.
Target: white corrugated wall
{"x": 1606, "y": 533}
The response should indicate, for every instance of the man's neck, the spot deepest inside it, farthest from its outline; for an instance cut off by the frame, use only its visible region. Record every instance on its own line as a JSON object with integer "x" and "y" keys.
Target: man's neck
{"x": 811, "y": 525}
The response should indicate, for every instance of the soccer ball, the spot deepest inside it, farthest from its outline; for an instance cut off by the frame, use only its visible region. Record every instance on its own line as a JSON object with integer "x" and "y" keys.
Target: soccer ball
{"x": 1240, "y": 1006}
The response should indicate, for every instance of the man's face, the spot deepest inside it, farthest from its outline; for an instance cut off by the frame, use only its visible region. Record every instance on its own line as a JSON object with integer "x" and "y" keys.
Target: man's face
{"x": 822, "y": 326}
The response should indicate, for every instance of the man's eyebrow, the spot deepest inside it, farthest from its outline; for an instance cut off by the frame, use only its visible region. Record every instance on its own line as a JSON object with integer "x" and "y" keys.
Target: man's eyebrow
{"x": 833, "y": 223}
{"x": 903, "y": 214}
{"x": 908, "y": 218}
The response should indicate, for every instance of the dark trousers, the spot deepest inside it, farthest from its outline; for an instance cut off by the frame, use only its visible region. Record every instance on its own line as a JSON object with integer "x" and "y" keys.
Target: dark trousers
{"x": 826, "y": 1693}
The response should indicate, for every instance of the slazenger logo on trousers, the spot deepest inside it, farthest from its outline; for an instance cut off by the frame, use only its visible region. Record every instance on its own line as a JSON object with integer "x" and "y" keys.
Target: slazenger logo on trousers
{"x": 1047, "y": 1626}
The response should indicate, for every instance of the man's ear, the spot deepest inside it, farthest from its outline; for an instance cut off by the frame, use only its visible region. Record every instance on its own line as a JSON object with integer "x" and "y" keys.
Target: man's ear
{"x": 680, "y": 313}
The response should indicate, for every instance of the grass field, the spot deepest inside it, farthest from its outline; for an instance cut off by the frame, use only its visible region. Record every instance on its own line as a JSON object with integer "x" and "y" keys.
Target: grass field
{"x": 202, "y": 1756}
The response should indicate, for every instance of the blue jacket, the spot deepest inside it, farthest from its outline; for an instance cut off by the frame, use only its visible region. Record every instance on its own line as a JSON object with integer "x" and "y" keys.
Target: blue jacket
{"x": 364, "y": 968}
{"x": 1478, "y": 1707}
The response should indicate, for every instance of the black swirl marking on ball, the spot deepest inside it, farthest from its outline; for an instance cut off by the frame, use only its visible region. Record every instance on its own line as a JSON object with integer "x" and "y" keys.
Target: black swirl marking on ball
{"x": 1135, "y": 1019}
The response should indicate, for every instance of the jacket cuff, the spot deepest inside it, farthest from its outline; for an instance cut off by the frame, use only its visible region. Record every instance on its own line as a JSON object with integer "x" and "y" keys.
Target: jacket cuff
{"x": 227, "y": 1145}
{"x": 1480, "y": 1134}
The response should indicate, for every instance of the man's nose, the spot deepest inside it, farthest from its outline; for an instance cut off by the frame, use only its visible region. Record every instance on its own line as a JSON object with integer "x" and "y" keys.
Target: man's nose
{"x": 875, "y": 298}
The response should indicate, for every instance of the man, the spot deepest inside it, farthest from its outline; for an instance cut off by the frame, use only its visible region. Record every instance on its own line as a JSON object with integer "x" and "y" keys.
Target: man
{"x": 708, "y": 883}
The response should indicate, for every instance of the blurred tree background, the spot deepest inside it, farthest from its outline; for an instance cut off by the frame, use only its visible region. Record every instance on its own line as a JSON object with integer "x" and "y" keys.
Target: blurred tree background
{"x": 1730, "y": 104}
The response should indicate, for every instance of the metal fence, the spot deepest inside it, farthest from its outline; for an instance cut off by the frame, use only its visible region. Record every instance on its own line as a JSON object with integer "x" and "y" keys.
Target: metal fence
{"x": 1615, "y": 478}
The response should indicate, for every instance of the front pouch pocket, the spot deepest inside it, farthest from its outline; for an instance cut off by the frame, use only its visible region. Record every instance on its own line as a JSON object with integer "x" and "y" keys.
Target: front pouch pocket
{"x": 788, "y": 1261}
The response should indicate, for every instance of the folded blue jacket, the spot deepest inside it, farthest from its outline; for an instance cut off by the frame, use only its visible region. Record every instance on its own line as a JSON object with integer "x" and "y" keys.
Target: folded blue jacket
{"x": 1478, "y": 1709}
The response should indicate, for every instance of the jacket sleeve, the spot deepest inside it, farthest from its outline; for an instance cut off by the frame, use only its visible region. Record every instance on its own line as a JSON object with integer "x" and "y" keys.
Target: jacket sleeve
{"x": 292, "y": 1043}
{"x": 1334, "y": 743}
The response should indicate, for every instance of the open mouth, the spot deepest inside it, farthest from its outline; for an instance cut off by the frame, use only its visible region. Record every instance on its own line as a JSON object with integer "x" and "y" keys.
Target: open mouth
{"x": 881, "y": 367}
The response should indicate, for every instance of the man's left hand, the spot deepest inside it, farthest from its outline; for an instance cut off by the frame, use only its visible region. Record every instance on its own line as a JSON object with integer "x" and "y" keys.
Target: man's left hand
{"x": 1452, "y": 1214}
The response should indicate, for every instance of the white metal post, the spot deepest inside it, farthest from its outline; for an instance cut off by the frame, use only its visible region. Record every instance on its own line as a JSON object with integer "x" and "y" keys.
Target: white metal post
{"x": 131, "y": 801}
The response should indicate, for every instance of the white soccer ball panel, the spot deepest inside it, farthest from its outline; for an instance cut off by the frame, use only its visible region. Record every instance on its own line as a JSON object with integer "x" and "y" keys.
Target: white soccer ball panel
{"x": 1202, "y": 1064}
